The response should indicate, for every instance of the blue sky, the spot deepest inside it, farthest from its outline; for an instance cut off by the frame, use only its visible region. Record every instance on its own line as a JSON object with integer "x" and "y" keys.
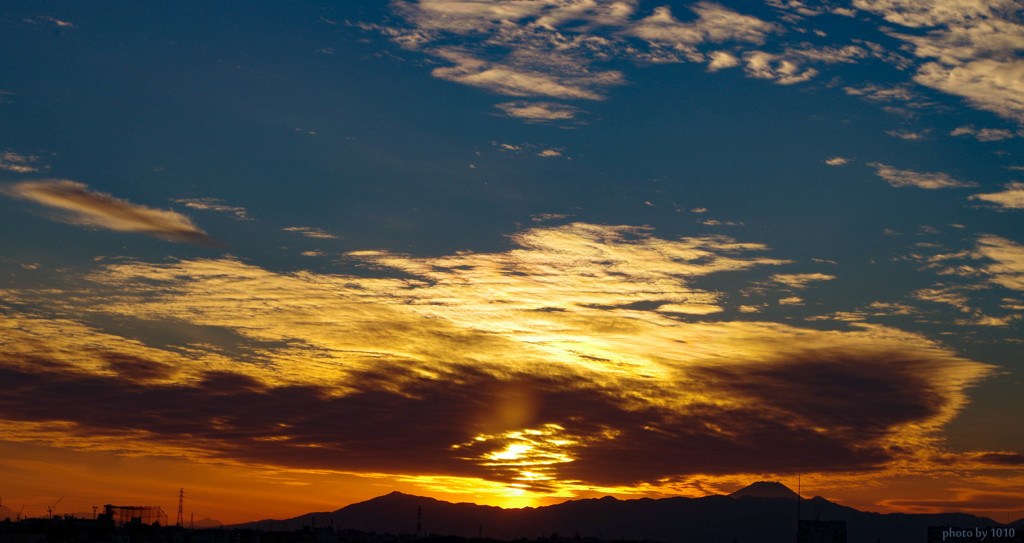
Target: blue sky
{"x": 693, "y": 245}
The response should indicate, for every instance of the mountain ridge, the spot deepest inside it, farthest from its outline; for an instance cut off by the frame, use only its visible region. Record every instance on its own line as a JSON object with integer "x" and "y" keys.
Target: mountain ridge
{"x": 764, "y": 512}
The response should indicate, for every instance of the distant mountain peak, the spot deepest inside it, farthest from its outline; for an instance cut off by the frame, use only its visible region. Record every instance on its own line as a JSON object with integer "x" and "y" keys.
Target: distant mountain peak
{"x": 397, "y": 494}
{"x": 206, "y": 522}
{"x": 765, "y": 489}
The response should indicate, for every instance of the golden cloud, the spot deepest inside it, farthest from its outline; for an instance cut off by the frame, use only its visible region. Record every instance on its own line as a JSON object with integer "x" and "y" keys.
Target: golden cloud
{"x": 1011, "y": 198}
{"x": 800, "y": 280}
{"x": 924, "y": 180}
{"x": 564, "y": 362}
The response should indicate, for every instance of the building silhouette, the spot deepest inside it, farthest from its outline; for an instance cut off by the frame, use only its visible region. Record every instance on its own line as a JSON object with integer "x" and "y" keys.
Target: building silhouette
{"x": 821, "y": 531}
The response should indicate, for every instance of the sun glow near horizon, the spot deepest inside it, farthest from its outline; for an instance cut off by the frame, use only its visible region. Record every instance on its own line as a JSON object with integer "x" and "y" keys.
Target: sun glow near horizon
{"x": 533, "y": 417}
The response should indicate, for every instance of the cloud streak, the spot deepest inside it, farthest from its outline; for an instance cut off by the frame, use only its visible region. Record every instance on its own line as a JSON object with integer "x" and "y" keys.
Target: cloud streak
{"x": 922, "y": 180}
{"x": 538, "y": 111}
{"x": 714, "y": 23}
{"x": 96, "y": 209}
{"x": 800, "y": 280}
{"x": 14, "y": 162}
{"x": 521, "y": 80}
{"x": 1011, "y": 198}
{"x": 214, "y": 204}
{"x": 310, "y": 232}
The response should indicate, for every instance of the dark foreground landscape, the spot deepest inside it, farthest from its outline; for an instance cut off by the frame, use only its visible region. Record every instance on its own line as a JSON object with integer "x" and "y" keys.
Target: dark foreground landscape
{"x": 760, "y": 513}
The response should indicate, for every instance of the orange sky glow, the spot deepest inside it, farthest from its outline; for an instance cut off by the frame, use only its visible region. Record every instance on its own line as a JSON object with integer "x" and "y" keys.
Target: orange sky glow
{"x": 504, "y": 365}
{"x": 291, "y": 256}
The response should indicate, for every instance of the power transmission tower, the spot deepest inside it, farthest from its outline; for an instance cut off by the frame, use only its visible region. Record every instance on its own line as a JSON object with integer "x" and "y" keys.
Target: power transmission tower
{"x": 181, "y": 502}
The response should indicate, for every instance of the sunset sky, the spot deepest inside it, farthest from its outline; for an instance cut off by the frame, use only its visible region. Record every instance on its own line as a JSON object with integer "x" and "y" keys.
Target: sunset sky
{"x": 293, "y": 255}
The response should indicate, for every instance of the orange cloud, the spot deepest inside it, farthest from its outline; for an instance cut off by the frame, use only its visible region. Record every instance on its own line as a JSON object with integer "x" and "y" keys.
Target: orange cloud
{"x": 90, "y": 208}
{"x": 558, "y": 366}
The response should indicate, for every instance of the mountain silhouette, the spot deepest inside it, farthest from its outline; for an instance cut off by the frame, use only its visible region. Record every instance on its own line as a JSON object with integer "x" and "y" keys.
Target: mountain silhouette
{"x": 206, "y": 522}
{"x": 764, "y": 489}
{"x": 763, "y": 512}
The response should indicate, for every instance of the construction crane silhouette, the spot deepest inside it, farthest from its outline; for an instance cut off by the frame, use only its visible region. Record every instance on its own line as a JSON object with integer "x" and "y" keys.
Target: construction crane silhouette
{"x": 49, "y": 510}
{"x": 20, "y": 511}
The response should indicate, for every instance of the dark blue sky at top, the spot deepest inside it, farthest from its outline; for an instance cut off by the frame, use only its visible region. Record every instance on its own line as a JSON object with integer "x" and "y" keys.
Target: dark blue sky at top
{"x": 200, "y": 101}
{"x": 293, "y": 112}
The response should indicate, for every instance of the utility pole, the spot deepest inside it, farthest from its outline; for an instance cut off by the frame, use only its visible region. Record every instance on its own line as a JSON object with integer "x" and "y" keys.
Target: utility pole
{"x": 799, "y": 497}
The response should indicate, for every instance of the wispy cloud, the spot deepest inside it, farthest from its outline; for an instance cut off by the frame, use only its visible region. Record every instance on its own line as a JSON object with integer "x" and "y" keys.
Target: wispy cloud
{"x": 782, "y": 70}
{"x": 716, "y": 222}
{"x": 569, "y": 82}
{"x": 531, "y": 148}
{"x": 924, "y": 180}
{"x": 14, "y": 162}
{"x": 1011, "y": 198}
{"x": 796, "y": 7}
{"x": 961, "y": 298}
{"x": 800, "y": 280}
{"x": 955, "y": 295}
{"x": 310, "y": 232}
{"x": 908, "y": 135}
{"x": 539, "y": 111}
{"x": 720, "y": 60}
{"x": 837, "y": 161}
{"x": 214, "y": 204}
{"x": 549, "y": 217}
{"x": 1007, "y": 261}
{"x": 52, "y": 20}
{"x": 984, "y": 134}
{"x": 538, "y": 59}
{"x": 992, "y": 262}
{"x": 847, "y": 54}
{"x": 96, "y": 209}
{"x": 715, "y": 24}
{"x": 60, "y": 23}
{"x": 878, "y": 93}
